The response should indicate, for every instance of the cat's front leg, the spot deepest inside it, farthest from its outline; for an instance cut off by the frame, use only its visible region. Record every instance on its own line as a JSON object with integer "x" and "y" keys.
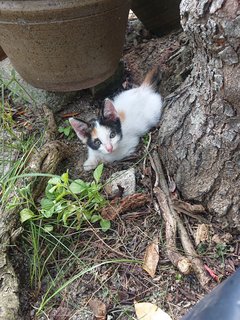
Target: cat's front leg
{"x": 91, "y": 162}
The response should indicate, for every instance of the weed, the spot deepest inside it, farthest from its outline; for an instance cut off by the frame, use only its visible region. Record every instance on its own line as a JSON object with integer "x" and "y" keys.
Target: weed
{"x": 202, "y": 248}
{"x": 146, "y": 138}
{"x": 178, "y": 277}
{"x": 221, "y": 250}
{"x": 53, "y": 226}
{"x": 16, "y": 90}
{"x": 69, "y": 202}
{"x": 67, "y": 130}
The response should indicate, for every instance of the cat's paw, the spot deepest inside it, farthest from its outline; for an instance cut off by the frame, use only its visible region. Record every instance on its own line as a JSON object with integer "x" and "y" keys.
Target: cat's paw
{"x": 90, "y": 165}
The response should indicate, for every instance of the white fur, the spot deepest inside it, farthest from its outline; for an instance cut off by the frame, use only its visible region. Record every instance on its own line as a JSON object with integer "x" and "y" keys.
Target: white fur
{"x": 142, "y": 108}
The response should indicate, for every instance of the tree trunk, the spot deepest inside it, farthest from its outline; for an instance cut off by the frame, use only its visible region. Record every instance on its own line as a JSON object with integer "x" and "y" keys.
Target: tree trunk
{"x": 199, "y": 133}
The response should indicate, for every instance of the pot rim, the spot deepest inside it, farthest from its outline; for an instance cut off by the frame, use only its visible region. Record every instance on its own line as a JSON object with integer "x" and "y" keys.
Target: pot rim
{"x": 18, "y": 11}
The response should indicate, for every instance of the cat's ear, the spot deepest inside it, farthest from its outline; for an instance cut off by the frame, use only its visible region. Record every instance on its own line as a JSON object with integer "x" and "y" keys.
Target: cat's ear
{"x": 81, "y": 128}
{"x": 109, "y": 111}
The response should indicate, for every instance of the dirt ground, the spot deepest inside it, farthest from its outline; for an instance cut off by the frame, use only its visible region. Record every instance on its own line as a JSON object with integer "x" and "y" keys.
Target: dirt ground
{"x": 119, "y": 285}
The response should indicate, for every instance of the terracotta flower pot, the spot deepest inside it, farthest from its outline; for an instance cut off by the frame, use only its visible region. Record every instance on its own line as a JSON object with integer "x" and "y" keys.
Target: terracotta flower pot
{"x": 159, "y": 16}
{"x": 63, "y": 45}
{"x": 2, "y": 54}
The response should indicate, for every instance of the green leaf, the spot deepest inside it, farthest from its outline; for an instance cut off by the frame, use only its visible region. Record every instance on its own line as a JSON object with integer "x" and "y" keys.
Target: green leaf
{"x": 61, "y": 129}
{"x": 24, "y": 192}
{"x": 95, "y": 218}
{"x": 77, "y": 186}
{"x": 48, "y": 213}
{"x": 52, "y": 189}
{"x": 46, "y": 204}
{"x": 60, "y": 206}
{"x": 105, "y": 225}
{"x": 55, "y": 180}
{"x": 67, "y": 131}
{"x": 86, "y": 215}
{"x": 67, "y": 213}
{"x": 50, "y": 195}
{"x": 98, "y": 172}
{"x": 48, "y": 228}
{"x": 64, "y": 177}
{"x": 26, "y": 214}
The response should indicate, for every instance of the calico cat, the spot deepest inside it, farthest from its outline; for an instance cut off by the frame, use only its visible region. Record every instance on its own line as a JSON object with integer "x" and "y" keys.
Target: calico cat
{"x": 115, "y": 134}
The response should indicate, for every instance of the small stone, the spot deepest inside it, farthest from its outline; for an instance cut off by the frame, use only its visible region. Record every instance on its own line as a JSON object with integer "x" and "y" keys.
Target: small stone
{"x": 124, "y": 178}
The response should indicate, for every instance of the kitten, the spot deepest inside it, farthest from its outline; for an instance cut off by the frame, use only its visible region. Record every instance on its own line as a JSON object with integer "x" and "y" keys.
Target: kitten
{"x": 115, "y": 134}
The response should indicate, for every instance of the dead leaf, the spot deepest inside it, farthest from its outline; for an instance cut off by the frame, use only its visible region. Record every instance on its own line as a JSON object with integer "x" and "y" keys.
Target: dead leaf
{"x": 216, "y": 238}
{"x": 70, "y": 114}
{"x": 149, "y": 311}
{"x": 225, "y": 238}
{"x": 202, "y": 233}
{"x": 151, "y": 258}
{"x": 98, "y": 308}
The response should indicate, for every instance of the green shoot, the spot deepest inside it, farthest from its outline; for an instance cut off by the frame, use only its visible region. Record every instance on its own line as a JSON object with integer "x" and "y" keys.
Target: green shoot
{"x": 67, "y": 130}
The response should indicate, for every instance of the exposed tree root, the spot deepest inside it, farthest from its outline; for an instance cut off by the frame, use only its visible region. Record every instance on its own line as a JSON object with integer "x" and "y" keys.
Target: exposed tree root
{"x": 44, "y": 160}
{"x": 174, "y": 224}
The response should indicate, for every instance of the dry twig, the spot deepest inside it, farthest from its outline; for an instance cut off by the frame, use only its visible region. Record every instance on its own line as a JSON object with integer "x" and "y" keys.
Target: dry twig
{"x": 174, "y": 223}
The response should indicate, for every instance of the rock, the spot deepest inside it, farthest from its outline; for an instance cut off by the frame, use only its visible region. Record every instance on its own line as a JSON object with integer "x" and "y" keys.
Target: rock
{"x": 124, "y": 178}
{"x": 25, "y": 93}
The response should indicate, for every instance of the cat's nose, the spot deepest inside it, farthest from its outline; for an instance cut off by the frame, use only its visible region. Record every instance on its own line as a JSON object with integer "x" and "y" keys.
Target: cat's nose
{"x": 109, "y": 148}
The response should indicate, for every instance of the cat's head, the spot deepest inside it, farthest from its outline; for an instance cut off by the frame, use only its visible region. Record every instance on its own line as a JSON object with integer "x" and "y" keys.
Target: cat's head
{"x": 102, "y": 134}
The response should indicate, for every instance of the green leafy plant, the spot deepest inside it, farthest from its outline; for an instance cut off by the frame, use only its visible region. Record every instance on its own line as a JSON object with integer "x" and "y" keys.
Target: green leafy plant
{"x": 179, "y": 277}
{"x": 202, "y": 248}
{"x": 70, "y": 203}
{"x": 67, "y": 130}
{"x": 221, "y": 250}
{"x": 146, "y": 138}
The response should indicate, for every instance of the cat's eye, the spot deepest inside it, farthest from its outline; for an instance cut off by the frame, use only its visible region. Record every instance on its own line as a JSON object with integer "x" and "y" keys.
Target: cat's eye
{"x": 97, "y": 142}
{"x": 112, "y": 134}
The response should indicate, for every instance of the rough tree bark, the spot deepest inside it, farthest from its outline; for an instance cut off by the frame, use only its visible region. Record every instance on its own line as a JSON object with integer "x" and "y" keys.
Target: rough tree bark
{"x": 199, "y": 134}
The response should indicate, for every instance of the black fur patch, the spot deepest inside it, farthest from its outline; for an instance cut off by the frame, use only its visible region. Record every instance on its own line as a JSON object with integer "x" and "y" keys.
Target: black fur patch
{"x": 113, "y": 125}
{"x": 91, "y": 144}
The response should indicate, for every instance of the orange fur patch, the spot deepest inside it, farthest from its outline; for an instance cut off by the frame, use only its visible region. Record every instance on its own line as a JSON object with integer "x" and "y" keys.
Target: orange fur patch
{"x": 122, "y": 115}
{"x": 94, "y": 133}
